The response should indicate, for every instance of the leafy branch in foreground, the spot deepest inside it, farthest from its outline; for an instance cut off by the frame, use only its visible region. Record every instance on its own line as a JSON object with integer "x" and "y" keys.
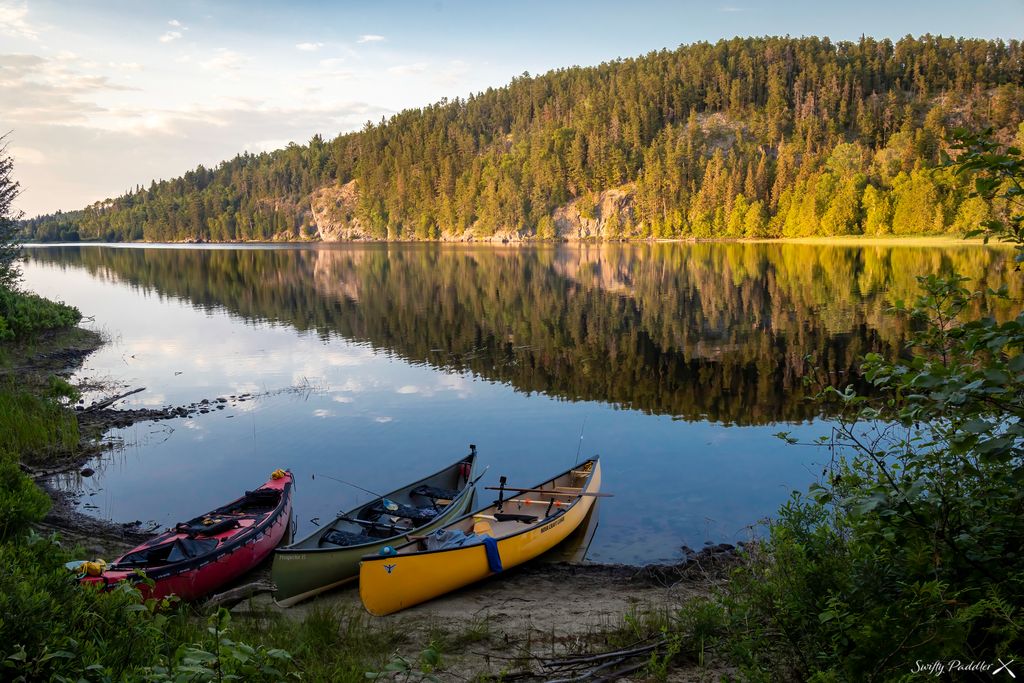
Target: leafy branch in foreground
{"x": 912, "y": 548}
{"x": 998, "y": 177}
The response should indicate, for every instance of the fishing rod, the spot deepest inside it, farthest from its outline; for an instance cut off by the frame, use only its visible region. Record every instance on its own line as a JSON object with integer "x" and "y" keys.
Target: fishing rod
{"x": 348, "y": 483}
{"x": 380, "y": 495}
{"x": 580, "y": 444}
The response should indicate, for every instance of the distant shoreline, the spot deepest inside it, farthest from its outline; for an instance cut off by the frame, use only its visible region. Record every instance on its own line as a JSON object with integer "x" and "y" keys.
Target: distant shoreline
{"x": 839, "y": 240}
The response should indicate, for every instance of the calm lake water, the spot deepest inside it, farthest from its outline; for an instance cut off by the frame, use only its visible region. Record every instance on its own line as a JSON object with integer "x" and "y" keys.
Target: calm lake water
{"x": 378, "y": 364}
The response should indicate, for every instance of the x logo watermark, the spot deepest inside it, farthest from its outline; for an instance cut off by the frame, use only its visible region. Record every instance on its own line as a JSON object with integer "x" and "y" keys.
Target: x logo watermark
{"x": 1005, "y": 665}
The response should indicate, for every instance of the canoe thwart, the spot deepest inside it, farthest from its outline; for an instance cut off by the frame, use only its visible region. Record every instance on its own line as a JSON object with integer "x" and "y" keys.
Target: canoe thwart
{"x": 513, "y": 517}
{"x": 549, "y": 492}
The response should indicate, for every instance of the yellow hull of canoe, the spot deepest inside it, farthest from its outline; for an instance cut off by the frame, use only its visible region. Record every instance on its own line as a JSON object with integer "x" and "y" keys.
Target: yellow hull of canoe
{"x": 393, "y": 583}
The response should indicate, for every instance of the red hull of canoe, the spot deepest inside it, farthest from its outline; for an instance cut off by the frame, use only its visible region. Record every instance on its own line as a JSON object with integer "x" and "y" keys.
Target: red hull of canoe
{"x": 252, "y": 545}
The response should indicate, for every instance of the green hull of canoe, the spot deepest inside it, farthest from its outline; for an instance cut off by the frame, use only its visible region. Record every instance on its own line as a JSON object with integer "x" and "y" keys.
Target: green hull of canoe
{"x": 305, "y": 569}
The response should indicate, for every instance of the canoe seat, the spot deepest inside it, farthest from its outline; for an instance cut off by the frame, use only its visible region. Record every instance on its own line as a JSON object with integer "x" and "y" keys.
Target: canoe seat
{"x": 417, "y": 516}
{"x": 178, "y": 550}
{"x": 196, "y": 527}
{"x": 435, "y": 493}
{"x": 343, "y": 538}
{"x": 513, "y": 517}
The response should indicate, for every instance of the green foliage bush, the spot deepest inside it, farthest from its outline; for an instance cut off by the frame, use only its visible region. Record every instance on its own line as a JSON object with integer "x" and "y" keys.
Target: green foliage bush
{"x": 32, "y": 425}
{"x": 912, "y": 548}
{"x": 21, "y": 501}
{"x": 218, "y": 657}
{"x": 23, "y": 316}
{"x": 52, "y": 628}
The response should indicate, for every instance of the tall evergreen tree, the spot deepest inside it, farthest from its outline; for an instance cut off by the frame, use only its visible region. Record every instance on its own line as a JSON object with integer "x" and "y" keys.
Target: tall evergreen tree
{"x": 10, "y": 248}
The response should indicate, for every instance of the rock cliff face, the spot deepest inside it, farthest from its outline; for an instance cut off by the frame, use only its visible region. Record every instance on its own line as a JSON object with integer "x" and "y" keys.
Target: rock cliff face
{"x": 609, "y": 215}
{"x": 334, "y": 212}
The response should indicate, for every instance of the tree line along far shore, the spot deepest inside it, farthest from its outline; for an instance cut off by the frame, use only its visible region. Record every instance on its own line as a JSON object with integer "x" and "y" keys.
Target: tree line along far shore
{"x": 755, "y": 137}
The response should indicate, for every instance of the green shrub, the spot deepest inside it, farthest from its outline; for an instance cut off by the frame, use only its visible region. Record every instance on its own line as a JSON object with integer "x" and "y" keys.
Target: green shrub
{"x": 23, "y": 316}
{"x": 52, "y": 628}
{"x": 59, "y": 389}
{"x": 21, "y": 501}
{"x": 32, "y": 425}
{"x": 913, "y": 547}
{"x": 218, "y": 657}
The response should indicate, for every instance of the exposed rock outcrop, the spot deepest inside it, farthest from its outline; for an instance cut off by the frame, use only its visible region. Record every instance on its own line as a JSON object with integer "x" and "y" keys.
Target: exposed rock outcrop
{"x": 334, "y": 212}
{"x": 610, "y": 217}
{"x": 607, "y": 215}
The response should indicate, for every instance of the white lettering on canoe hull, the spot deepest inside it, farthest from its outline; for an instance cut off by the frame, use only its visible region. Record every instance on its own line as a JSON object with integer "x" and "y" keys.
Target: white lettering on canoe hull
{"x": 553, "y": 524}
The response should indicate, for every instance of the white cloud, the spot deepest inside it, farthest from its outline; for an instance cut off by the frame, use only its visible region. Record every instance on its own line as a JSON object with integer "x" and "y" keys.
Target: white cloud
{"x": 330, "y": 68}
{"x": 452, "y": 74}
{"x": 170, "y": 36}
{"x": 176, "y": 24}
{"x": 224, "y": 60}
{"x": 370, "y": 38}
{"x": 125, "y": 66}
{"x": 309, "y": 47}
{"x": 37, "y": 90}
{"x": 408, "y": 389}
{"x": 408, "y": 69}
{"x": 320, "y": 412}
{"x": 342, "y": 399}
{"x": 384, "y": 419}
{"x": 13, "y": 21}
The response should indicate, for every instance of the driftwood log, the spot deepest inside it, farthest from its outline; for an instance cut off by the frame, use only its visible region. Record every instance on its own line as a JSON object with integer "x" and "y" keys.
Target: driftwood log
{"x": 106, "y": 402}
{"x": 236, "y": 595}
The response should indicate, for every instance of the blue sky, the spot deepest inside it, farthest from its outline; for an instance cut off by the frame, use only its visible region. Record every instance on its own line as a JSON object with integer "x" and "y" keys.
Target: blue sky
{"x": 100, "y": 96}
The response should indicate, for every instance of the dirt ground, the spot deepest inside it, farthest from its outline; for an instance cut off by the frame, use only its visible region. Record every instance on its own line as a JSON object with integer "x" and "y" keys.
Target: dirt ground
{"x": 511, "y": 626}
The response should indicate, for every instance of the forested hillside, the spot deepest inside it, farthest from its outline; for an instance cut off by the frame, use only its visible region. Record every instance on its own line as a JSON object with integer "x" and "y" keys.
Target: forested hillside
{"x": 757, "y": 137}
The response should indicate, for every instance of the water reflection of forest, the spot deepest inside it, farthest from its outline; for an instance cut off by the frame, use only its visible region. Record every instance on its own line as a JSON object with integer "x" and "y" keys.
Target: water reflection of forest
{"x": 719, "y": 331}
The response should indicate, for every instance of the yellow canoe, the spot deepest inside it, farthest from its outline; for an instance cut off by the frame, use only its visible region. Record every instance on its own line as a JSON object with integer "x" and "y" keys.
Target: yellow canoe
{"x": 480, "y": 544}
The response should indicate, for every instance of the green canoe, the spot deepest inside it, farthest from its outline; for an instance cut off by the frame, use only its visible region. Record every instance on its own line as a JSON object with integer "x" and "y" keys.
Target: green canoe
{"x": 329, "y": 557}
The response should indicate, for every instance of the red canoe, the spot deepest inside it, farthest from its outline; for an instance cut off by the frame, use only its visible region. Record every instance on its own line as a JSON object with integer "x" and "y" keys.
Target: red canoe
{"x": 199, "y": 556}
